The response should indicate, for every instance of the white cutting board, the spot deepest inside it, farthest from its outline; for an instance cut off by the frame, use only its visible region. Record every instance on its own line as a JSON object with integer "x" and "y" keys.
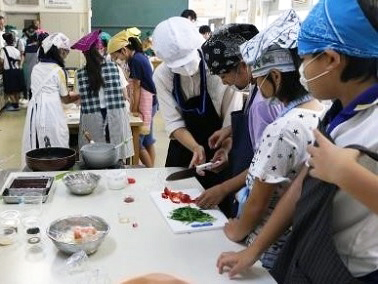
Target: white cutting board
{"x": 166, "y": 206}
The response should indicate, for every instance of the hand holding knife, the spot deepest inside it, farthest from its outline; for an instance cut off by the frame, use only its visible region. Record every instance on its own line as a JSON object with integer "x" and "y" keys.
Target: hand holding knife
{"x": 191, "y": 172}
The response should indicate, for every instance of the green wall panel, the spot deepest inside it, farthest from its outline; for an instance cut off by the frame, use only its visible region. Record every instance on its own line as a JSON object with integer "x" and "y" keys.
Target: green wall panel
{"x": 114, "y": 15}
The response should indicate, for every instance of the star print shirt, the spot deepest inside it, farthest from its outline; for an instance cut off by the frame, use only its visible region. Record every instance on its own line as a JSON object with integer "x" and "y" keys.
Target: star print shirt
{"x": 278, "y": 160}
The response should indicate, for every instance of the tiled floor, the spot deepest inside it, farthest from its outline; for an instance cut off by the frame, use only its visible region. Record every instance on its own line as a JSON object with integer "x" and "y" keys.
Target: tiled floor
{"x": 12, "y": 125}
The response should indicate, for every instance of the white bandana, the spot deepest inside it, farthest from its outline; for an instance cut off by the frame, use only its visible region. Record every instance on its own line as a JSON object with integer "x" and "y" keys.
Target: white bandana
{"x": 273, "y": 58}
{"x": 269, "y": 49}
{"x": 58, "y": 39}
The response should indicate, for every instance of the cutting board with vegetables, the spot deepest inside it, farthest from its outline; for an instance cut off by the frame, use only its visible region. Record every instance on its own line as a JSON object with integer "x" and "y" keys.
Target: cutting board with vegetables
{"x": 178, "y": 205}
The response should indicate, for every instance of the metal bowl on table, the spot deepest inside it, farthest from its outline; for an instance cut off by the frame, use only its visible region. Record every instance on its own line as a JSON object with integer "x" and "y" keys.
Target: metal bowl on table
{"x": 81, "y": 183}
{"x": 61, "y": 233}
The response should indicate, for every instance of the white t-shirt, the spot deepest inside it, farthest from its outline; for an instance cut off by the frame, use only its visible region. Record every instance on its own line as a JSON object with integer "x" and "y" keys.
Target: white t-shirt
{"x": 55, "y": 84}
{"x": 2, "y": 41}
{"x": 225, "y": 100}
{"x": 13, "y": 53}
{"x": 278, "y": 160}
{"x": 283, "y": 147}
{"x": 355, "y": 227}
{"x": 20, "y": 45}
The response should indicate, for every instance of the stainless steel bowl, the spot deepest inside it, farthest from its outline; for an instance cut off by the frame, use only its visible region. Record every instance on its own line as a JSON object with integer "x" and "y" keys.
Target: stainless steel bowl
{"x": 81, "y": 183}
{"x": 58, "y": 230}
{"x": 99, "y": 155}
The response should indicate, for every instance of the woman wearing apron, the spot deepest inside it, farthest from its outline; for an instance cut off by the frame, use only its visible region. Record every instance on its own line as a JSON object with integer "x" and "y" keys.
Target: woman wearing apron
{"x": 102, "y": 89}
{"x": 126, "y": 48}
{"x": 223, "y": 58}
{"x": 13, "y": 79}
{"x": 193, "y": 102}
{"x": 45, "y": 115}
{"x": 31, "y": 56}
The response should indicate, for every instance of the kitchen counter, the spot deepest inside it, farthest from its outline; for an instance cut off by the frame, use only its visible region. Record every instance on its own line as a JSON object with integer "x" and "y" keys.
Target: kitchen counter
{"x": 73, "y": 120}
{"x": 126, "y": 251}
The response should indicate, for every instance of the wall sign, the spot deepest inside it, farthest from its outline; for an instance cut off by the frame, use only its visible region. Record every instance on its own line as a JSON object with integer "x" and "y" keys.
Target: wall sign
{"x": 58, "y": 3}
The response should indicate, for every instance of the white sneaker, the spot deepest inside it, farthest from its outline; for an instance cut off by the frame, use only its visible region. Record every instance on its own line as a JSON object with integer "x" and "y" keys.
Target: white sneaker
{"x": 23, "y": 103}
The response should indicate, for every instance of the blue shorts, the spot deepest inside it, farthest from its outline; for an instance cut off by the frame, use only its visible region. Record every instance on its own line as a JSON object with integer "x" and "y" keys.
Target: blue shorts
{"x": 148, "y": 140}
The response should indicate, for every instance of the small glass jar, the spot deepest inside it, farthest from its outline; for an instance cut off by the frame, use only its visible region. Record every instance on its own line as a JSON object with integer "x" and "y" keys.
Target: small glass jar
{"x": 33, "y": 235}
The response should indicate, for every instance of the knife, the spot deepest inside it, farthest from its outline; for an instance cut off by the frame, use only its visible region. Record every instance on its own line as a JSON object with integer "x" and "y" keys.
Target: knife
{"x": 189, "y": 172}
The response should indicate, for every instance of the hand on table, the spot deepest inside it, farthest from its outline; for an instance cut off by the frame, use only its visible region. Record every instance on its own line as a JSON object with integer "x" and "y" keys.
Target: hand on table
{"x": 211, "y": 197}
{"x": 215, "y": 140}
{"x": 199, "y": 156}
{"x": 329, "y": 161}
{"x": 236, "y": 262}
{"x": 233, "y": 230}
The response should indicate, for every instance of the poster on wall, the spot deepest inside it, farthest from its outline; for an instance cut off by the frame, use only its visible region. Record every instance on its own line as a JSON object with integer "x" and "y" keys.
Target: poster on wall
{"x": 58, "y": 4}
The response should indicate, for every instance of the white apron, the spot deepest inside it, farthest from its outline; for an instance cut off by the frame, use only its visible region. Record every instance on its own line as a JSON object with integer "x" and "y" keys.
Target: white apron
{"x": 45, "y": 117}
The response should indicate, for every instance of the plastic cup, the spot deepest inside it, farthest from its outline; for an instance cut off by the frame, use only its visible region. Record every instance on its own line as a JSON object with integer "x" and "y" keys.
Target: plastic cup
{"x": 31, "y": 205}
{"x": 116, "y": 179}
{"x": 8, "y": 235}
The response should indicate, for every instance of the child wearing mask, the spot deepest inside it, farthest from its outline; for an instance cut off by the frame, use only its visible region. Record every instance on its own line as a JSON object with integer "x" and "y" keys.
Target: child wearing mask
{"x": 334, "y": 226}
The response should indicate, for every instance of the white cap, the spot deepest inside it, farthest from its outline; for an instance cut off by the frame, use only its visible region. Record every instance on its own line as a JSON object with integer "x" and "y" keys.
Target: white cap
{"x": 176, "y": 41}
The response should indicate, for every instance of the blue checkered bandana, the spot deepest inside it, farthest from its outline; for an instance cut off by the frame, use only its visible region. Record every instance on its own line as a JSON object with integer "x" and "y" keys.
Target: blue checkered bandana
{"x": 338, "y": 25}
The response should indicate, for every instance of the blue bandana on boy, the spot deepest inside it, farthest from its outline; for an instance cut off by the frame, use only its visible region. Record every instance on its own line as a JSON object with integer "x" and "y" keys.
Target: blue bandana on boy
{"x": 339, "y": 25}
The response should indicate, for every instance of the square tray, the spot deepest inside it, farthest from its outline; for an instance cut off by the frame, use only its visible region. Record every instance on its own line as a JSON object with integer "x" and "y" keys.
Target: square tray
{"x": 23, "y": 186}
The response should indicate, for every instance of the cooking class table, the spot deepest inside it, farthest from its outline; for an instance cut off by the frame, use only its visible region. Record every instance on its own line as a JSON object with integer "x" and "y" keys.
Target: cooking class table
{"x": 126, "y": 251}
{"x": 73, "y": 120}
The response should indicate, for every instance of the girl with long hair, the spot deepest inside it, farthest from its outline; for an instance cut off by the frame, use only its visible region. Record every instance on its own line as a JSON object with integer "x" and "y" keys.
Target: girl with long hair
{"x": 102, "y": 89}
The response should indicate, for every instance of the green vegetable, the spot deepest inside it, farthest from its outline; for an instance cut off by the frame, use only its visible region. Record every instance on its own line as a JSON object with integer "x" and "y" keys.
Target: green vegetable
{"x": 60, "y": 176}
{"x": 189, "y": 215}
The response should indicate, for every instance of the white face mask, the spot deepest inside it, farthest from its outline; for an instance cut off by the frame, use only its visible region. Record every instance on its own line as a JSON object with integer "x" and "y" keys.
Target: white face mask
{"x": 304, "y": 82}
{"x": 188, "y": 69}
{"x": 272, "y": 100}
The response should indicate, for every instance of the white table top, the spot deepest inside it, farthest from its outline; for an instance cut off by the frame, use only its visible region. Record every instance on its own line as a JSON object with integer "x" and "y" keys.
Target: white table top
{"x": 126, "y": 252}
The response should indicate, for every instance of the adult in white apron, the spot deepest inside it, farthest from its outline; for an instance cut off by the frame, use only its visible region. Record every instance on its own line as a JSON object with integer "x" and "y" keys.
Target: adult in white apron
{"x": 45, "y": 115}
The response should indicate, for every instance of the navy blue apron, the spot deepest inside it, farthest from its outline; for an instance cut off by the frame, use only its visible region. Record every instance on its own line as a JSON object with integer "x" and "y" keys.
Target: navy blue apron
{"x": 201, "y": 120}
{"x": 242, "y": 150}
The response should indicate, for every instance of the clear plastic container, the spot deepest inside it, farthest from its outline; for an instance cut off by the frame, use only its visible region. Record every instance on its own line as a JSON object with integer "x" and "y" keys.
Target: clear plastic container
{"x": 8, "y": 235}
{"x": 116, "y": 179}
{"x": 9, "y": 226}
